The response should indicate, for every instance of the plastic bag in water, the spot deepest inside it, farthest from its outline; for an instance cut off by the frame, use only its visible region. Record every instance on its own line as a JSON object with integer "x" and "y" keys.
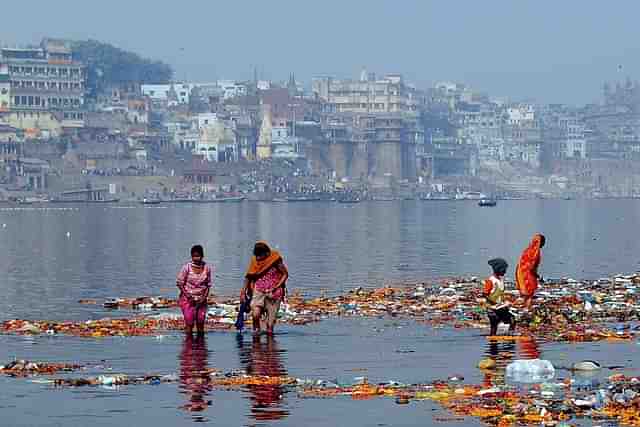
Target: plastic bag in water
{"x": 530, "y": 371}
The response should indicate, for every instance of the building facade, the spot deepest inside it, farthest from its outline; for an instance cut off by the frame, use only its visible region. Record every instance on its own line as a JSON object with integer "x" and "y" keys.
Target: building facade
{"x": 367, "y": 95}
{"x": 5, "y": 89}
{"x": 44, "y": 77}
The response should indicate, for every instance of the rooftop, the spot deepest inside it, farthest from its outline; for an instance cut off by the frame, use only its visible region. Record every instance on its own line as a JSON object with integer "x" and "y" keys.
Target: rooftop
{"x": 7, "y": 129}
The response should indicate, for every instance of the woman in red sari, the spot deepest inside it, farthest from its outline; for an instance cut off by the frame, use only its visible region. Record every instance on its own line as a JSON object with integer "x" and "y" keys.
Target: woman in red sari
{"x": 527, "y": 277}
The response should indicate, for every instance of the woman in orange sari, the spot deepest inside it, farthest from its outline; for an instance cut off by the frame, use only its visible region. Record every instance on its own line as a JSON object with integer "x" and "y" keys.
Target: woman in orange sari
{"x": 527, "y": 277}
{"x": 265, "y": 281}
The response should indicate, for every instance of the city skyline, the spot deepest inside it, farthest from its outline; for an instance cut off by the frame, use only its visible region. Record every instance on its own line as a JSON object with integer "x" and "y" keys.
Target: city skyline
{"x": 542, "y": 51}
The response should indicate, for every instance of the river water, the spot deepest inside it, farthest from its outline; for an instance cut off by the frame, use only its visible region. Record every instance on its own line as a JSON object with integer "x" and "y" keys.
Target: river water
{"x": 50, "y": 257}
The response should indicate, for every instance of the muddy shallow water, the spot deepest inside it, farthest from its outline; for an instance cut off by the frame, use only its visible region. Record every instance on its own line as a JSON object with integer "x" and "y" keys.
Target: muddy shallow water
{"x": 51, "y": 258}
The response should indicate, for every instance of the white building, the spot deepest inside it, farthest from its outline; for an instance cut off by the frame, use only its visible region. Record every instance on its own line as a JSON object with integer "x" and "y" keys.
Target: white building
{"x": 217, "y": 142}
{"x": 172, "y": 94}
{"x": 284, "y": 145}
{"x": 206, "y": 119}
{"x": 232, "y": 89}
{"x": 520, "y": 114}
{"x": 367, "y": 95}
{"x": 264, "y": 85}
{"x": 575, "y": 142}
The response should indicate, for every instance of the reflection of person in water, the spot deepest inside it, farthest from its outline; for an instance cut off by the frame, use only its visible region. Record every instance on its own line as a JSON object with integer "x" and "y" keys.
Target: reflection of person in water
{"x": 194, "y": 373}
{"x": 264, "y": 358}
{"x": 529, "y": 349}
{"x": 502, "y": 353}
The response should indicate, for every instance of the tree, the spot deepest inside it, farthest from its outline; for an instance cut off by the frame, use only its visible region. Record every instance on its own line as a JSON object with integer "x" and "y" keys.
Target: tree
{"x": 108, "y": 65}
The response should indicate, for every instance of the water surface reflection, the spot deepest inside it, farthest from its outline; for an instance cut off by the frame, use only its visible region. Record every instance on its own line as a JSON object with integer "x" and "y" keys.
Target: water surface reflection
{"x": 264, "y": 357}
{"x": 194, "y": 375}
{"x": 503, "y": 353}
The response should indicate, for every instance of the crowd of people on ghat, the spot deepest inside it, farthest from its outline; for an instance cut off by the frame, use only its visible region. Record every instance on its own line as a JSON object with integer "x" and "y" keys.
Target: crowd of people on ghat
{"x": 266, "y": 276}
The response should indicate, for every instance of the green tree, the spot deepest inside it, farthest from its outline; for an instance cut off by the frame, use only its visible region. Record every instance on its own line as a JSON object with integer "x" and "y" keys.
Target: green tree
{"x": 108, "y": 65}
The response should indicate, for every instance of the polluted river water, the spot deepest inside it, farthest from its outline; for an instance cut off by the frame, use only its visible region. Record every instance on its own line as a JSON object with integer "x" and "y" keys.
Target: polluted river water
{"x": 54, "y": 258}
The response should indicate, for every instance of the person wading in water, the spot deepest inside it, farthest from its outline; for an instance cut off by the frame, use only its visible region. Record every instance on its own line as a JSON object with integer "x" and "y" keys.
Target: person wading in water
{"x": 194, "y": 282}
{"x": 493, "y": 291}
{"x": 265, "y": 282}
{"x": 527, "y": 277}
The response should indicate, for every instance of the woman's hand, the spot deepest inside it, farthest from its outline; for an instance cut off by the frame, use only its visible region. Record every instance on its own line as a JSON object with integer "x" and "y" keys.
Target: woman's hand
{"x": 244, "y": 290}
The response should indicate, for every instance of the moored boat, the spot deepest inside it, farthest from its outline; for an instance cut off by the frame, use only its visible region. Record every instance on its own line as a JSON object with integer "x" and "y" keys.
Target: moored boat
{"x": 487, "y": 202}
{"x": 227, "y": 199}
{"x": 302, "y": 198}
{"x": 349, "y": 198}
{"x": 146, "y": 201}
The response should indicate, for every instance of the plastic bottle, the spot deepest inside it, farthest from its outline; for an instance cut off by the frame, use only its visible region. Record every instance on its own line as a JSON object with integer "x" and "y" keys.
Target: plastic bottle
{"x": 530, "y": 371}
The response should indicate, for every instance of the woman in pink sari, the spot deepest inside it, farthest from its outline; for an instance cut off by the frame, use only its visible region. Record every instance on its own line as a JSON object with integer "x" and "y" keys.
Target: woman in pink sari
{"x": 194, "y": 282}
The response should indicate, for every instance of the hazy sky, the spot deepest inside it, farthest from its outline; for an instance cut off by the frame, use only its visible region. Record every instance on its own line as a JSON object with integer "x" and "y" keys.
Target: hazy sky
{"x": 546, "y": 50}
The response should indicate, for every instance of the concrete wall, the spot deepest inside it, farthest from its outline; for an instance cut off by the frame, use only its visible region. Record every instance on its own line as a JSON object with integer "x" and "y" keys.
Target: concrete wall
{"x": 338, "y": 155}
{"x": 360, "y": 161}
{"x": 408, "y": 161}
{"x": 387, "y": 159}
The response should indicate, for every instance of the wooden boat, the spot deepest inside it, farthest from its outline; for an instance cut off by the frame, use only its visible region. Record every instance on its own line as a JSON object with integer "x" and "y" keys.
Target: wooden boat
{"x": 84, "y": 201}
{"x": 227, "y": 199}
{"x": 435, "y": 197}
{"x": 349, "y": 198}
{"x": 181, "y": 200}
{"x": 302, "y": 198}
{"x": 146, "y": 201}
{"x": 487, "y": 202}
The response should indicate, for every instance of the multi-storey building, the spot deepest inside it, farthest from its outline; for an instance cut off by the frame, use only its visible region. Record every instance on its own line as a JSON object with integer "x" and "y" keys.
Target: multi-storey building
{"x": 380, "y": 119}
{"x": 45, "y": 77}
{"x": 565, "y": 137}
{"x": 5, "y": 92}
{"x": 367, "y": 95}
{"x": 523, "y": 142}
{"x": 373, "y": 146}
